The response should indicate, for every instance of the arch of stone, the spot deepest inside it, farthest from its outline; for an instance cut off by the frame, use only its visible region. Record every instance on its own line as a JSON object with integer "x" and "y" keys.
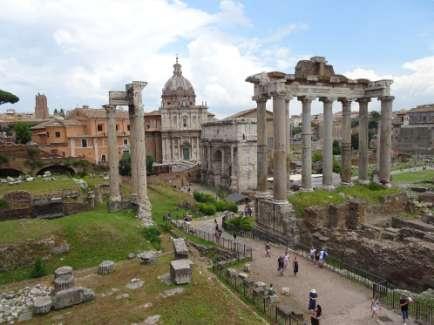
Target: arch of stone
{"x": 314, "y": 79}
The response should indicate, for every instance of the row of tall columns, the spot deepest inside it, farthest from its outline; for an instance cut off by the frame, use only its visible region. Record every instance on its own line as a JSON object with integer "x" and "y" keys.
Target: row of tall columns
{"x": 280, "y": 128}
{"x": 113, "y": 158}
{"x": 138, "y": 151}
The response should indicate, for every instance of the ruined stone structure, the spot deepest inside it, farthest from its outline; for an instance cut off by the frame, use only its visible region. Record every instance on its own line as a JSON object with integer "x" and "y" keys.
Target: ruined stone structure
{"x": 314, "y": 79}
{"x": 41, "y": 108}
{"x": 181, "y": 119}
{"x": 132, "y": 96}
{"x": 229, "y": 154}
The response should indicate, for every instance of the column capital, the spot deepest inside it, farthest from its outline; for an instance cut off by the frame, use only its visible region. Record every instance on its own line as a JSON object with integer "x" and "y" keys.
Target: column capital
{"x": 363, "y": 100}
{"x": 386, "y": 98}
{"x": 345, "y": 100}
{"x": 282, "y": 94}
{"x": 109, "y": 108}
{"x": 261, "y": 98}
{"x": 306, "y": 99}
{"x": 327, "y": 100}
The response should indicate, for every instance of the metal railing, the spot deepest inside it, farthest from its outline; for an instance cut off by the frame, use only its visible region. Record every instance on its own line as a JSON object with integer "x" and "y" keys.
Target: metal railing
{"x": 242, "y": 250}
{"x": 272, "y": 311}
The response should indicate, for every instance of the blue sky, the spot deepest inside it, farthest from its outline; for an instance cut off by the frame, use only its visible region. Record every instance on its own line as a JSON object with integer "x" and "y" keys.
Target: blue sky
{"x": 76, "y": 51}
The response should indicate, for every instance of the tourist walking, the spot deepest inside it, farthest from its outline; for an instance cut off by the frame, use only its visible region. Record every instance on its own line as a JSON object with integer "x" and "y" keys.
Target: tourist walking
{"x": 313, "y": 296}
{"x": 316, "y": 256}
{"x": 322, "y": 256}
{"x": 295, "y": 266}
{"x": 280, "y": 265}
{"x": 312, "y": 254}
{"x": 286, "y": 260}
{"x": 403, "y": 303}
{"x": 267, "y": 249}
{"x": 316, "y": 315}
{"x": 375, "y": 307}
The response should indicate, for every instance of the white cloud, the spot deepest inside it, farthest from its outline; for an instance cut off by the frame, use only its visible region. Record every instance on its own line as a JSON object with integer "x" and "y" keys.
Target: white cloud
{"x": 413, "y": 87}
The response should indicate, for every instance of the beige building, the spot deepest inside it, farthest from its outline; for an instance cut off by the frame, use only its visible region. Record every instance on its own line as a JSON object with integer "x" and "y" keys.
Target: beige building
{"x": 181, "y": 119}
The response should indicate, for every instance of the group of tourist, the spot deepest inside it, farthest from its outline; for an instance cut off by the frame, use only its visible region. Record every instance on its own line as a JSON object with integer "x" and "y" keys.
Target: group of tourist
{"x": 318, "y": 256}
{"x": 404, "y": 303}
{"x": 314, "y": 308}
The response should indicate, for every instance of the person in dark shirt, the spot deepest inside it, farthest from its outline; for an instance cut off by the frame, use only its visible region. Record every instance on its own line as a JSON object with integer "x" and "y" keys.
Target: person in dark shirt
{"x": 404, "y": 302}
{"x": 295, "y": 266}
{"x": 316, "y": 315}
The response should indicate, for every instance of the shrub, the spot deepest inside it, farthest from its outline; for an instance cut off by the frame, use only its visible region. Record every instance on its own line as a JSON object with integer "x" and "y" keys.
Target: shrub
{"x": 207, "y": 209}
{"x": 152, "y": 234}
{"x": 203, "y": 197}
{"x": 239, "y": 224}
{"x": 3, "y": 159}
{"x": 3, "y": 204}
{"x": 38, "y": 269}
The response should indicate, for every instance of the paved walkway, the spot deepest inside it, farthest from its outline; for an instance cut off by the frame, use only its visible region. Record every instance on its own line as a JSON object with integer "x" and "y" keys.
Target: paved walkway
{"x": 344, "y": 302}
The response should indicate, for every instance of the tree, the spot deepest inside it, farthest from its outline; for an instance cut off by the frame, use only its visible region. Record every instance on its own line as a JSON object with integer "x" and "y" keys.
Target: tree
{"x": 23, "y": 133}
{"x": 336, "y": 147}
{"x": 7, "y": 97}
{"x": 149, "y": 164}
{"x": 125, "y": 164}
{"x": 62, "y": 112}
{"x": 55, "y": 111}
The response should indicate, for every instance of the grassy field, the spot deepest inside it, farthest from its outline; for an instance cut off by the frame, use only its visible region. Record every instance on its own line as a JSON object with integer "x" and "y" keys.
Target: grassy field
{"x": 41, "y": 186}
{"x": 303, "y": 200}
{"x": 413, "y": 177}
{"x": 93, "y": 235}
{"x": 204, "y": 301}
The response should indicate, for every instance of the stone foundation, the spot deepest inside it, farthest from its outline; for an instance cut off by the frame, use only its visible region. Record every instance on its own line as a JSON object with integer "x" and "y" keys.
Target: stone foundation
{"x": 277, "y": 221}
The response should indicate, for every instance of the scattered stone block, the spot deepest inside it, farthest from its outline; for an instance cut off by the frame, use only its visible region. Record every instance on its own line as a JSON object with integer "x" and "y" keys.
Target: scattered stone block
{"x": 243, "y": 275}
{"x": 62, "y": 271}
{"x": 260, "y": 284}
{"x": 147, "y": 257}
{"x": 180, "y": 248}
{"x": 152, "y": 320}
{"x": 180, "y": 271}
{"x": 232, "y": 273}
{"x": 246, "y": 268}
{"x": 285, "y": 291}
{"x": 106, "y": 267}
{"x": 63, "y": 282}
{"x": 122, "y": 296}
{"x": 72, "y": 296}
{"x": 258, "y": 292}
{"x": 171, "y": 292}
{"x": 135, "y": 284}
{"x": 42, "y": 305}
{"x": 131, "y": 256}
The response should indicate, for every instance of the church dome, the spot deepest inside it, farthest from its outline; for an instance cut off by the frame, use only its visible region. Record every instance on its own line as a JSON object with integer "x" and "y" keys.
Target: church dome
{"x": 178, "y": 90}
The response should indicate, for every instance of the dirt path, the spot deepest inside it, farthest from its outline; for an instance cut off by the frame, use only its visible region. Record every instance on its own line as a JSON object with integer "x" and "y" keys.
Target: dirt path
{"x": 344, "y": 302}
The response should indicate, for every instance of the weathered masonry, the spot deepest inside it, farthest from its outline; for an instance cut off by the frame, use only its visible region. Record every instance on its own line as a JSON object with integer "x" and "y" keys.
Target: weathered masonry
{"x": 314, "y": 79}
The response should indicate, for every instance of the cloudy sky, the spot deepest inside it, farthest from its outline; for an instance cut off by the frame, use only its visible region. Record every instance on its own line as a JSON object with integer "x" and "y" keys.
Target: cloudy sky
{"x": 74, "y": 51}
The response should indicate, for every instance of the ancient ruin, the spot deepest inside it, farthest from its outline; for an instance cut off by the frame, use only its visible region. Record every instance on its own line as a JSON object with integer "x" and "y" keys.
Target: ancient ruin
{"x": 314, "y": 79}
{"x": 41, "y": 108}
{"x": 132, "y": 96}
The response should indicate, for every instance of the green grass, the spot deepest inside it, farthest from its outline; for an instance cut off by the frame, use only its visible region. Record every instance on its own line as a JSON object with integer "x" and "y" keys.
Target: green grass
{"x": 320, "y": 197}
{"x": 93, "y": 235}
{"x": 39, "y": 186}
{"x": 413, "y": 177}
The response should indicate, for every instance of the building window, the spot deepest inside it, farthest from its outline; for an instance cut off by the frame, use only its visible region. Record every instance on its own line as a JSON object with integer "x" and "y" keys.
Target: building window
{"x": 148, "y": 126}
{"x": 103, "y": 158}
{"x": 57, "y": 134}
{"x": 99, "y": 127}
{"x": 48, "y": 134}
{"x": 128, "y": 127}
{"x": 117, "y": 127}
{"x": 270, "y": 142}
{"x": 184, "y": 122}
{"x": 84, "y": 143}
{"x": 125, "y": 141}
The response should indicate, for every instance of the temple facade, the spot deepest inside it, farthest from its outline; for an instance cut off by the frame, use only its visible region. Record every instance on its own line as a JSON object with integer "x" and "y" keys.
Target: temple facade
{"x": 181, "y": 119}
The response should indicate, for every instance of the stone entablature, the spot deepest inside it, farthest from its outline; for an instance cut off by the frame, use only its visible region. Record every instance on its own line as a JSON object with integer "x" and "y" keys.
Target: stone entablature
{"x": 228, "y": 155}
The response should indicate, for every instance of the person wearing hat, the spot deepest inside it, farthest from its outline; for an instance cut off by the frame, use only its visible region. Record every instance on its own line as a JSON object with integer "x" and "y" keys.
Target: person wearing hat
{"x": 312, "y": 299}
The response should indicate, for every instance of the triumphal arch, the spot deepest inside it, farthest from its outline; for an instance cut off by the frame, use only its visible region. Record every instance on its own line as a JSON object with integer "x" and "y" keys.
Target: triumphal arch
{"x": 313, "y": 79}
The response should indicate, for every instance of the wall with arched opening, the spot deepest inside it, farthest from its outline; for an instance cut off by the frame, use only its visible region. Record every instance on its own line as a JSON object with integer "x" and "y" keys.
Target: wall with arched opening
{"x": 57, "y": 169}
{"x": 10, "y": 172}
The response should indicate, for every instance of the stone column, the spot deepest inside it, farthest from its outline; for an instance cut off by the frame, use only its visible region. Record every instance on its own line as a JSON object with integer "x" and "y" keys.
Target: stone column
{"x": 288, "y": 136}
{"x": 306, "y": 172}
{"x": 138, "y": 156}
{"x": 327, "y": 155}
{"x": 262, "y": 164}
{"x": 113, "y": 159}
{"x": 363, "y": 140}
{"x": 346, "y": 142}
{"x": 386, "y": 139}
{"x": 280, "y": 171}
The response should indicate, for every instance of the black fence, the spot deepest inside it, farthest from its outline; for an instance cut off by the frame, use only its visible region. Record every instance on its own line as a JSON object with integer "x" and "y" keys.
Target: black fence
{"x": 242, "y": 250}
{"x": 269, "y": 309}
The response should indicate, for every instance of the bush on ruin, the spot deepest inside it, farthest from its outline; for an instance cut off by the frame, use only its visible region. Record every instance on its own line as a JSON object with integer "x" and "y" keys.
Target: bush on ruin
{"x": 207, "y": 209}
{"x": 38, "y": 269}
{"x": 239, "y": 224}
{"x": 152, "y": 234}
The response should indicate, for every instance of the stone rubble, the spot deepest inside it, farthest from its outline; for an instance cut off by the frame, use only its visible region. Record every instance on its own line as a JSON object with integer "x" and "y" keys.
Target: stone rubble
{"x": 135, "y": 283}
